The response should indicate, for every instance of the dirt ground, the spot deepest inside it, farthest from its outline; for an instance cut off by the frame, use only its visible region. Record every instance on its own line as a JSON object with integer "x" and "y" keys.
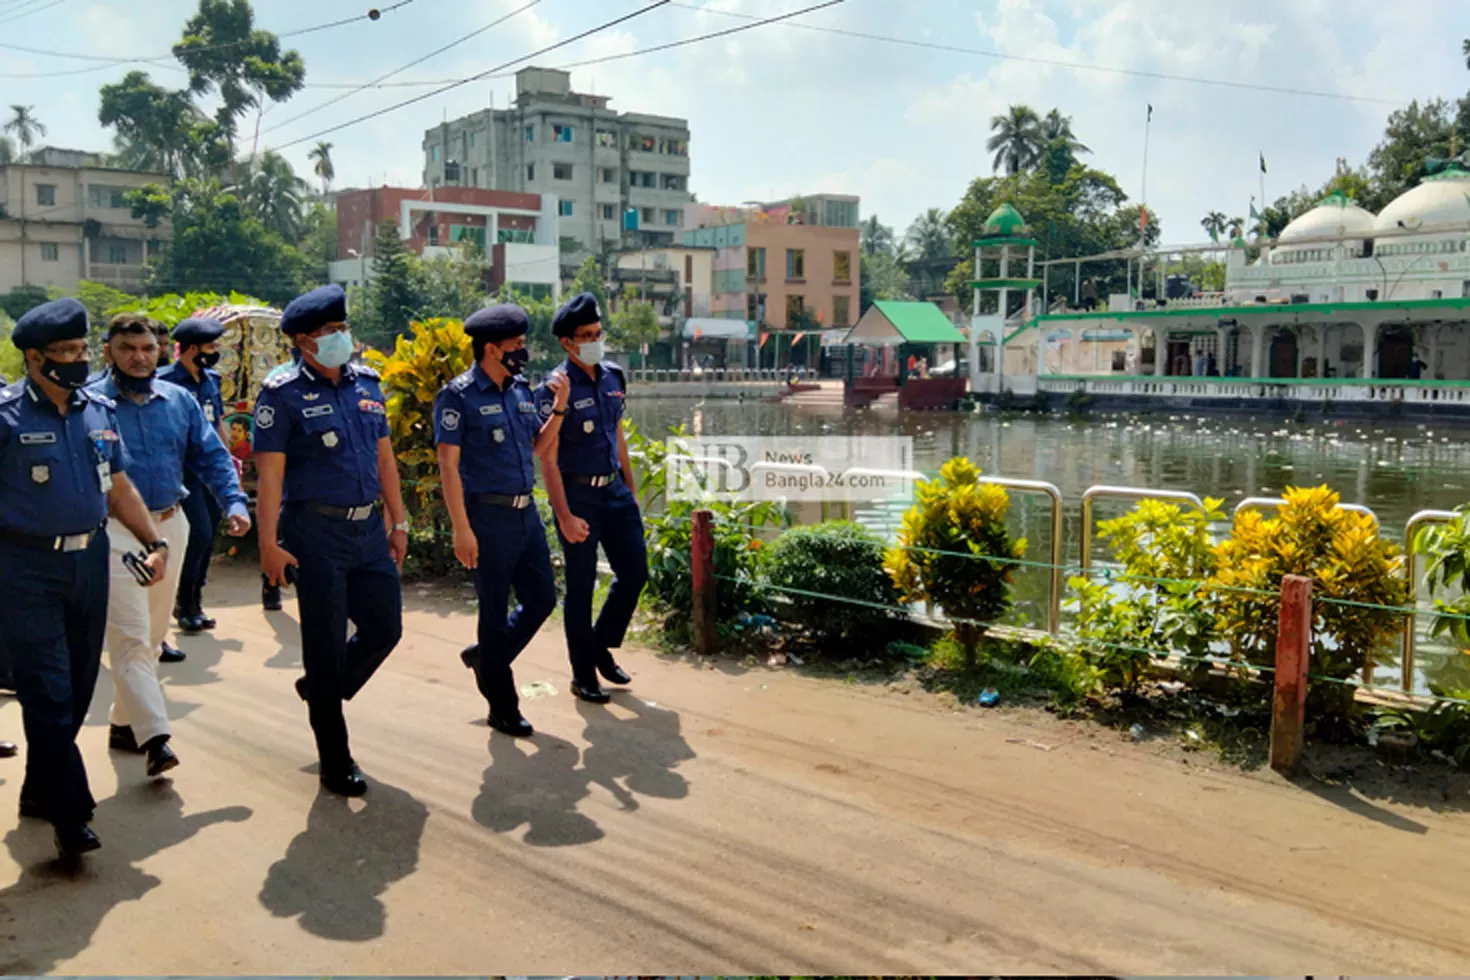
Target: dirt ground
{"x": 715, "y": 819}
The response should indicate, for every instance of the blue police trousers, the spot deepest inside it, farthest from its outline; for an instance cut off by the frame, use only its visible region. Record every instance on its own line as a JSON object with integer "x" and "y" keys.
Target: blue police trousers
{"x": 614, "y": 521}
{"x": 345, "y": 573}
{"x": 54, "y": 617}
{"x": 204, "y": 515}
{"x": 513, "y": 555}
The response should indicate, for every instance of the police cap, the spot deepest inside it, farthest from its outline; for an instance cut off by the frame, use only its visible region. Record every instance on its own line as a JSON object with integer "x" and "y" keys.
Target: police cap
{"x": 198, "y": 330}
{"x": 308, "y": 312}
{"x": 496, "y": 323}
{"x": 576, "y": 312}
{"x": 60, "y": 319}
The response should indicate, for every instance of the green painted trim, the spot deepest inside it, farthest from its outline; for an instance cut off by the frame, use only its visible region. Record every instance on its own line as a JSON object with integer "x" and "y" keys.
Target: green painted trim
{"x": 1456, "y": 303}
{"x": 1320, "y": 382}
{"x": 1005, "y": 283}
{"x": 1006, "y": 240}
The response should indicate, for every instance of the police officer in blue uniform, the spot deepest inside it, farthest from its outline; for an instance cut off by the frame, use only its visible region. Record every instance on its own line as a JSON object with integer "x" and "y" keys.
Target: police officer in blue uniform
{"x": 485, "y": 428}
{"x": 589, "y": 481}
{"x": 322, "y": 449}
{"x": 193, "y": 370}
{"x": 62, "y": 472}
{"x": 270, "y": 593}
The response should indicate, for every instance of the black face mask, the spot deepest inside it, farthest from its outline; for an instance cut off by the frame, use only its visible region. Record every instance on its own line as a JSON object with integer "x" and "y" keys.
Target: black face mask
{"x": 70, "y": 376}
{"x": 130, "y": 384}
{"x": 515, "y": 361}
{"x": 206, "y": 360}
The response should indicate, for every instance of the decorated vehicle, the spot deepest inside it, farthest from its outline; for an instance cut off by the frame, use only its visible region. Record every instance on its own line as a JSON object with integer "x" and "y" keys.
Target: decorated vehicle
{"x": 250, "y": 348}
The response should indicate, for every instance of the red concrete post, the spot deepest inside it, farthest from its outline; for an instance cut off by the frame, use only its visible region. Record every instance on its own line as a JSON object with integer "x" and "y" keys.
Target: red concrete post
{"x": 703, "y": 584}
{"x": 1293, "y": 653}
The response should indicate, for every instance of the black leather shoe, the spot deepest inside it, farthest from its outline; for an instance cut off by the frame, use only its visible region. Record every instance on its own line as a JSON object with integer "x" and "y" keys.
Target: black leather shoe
{"x": 614, "y": 674}
{"x": 270, "y": 598}
{"x": 519, "y": 728}
{"x": 301, "y": 688}
{"x": 191, "y": 624}
{"x": 205, "y": 622}
{"x": 470, "y": 656}
{"x": 8, "y": 749}
{"x": 121, "y": 737}
{"x": 161, "y": 758}
{"x": 171, "y": 654}
{"x": 591, "y": 693}
{"x": 348, "y": 782}
{"x": 7, "y": 680}
{"x": 73, "y": 840}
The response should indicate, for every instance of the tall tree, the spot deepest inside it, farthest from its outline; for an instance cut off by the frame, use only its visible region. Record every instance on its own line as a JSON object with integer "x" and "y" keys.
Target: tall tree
{"x": 274, "y": 194}
{"x": 24, "y": 125}
{"x": 393, "y": 299}
{"x": 1016, "y": 139}
{"x": 321, "y": 157}
{"x": 1465, "y": 50}
{"x": 1236, "y": 228}
{"x": 635, "y": 325}
{"x": 1214, "y": 224}
{"x": 1060, "y": 147}
{"x": 876, "y": 237}
{"x": 1414, "y": 134}
{"x": 929, "y": 237}
{"x": 159, "y": 129}
{"x": 589, "y": 280}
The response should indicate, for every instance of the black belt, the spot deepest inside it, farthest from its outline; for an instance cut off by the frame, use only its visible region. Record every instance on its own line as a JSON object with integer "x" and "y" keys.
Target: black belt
{"x": 343, "y": 513}
{"x": 42, "y": 542}
{"x": 605, "y": 480}
{"x": 519, "y": 501}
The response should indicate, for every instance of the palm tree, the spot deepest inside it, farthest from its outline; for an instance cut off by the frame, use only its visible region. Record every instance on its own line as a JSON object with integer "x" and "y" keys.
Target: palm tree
{"x": 1056, "y": 132}
{"x": 1015, "y": 139}
{"x": 876, "y": 237}
{"x": 929, "y": 236}
{"x": 26, "y": 127}
{"x": 322, "y": 155}
{"x": 1465, "y": 50}
{"x": 1214, "y": 225}
{"x": 274, "y": 194}
{"x": 1237, "y": 228}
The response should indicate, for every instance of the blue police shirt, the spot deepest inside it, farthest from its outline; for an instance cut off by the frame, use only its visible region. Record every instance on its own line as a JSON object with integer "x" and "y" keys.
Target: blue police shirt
{"x": 206, "y": 390}
{"x": 329, "y": 433}
{"x": 55, "y": 470}
{"x": 588, "y": 441}
{"x": 166, "y": 435}
{"x": 495, "y": 427}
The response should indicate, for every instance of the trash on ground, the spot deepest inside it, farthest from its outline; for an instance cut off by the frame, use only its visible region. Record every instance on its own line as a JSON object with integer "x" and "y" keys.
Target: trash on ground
{"x": 1030, "y": 744}
{"x": 536, "y": 690}
{"x": 1137, "y": 732}
{"x": 776, "y": 660}
{"x": 793, "y": 658}
{"x": 988, "y": 697}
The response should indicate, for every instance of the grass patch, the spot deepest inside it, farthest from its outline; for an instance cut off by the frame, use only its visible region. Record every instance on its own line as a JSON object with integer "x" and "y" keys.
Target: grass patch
{"x": 1021, "y": 673}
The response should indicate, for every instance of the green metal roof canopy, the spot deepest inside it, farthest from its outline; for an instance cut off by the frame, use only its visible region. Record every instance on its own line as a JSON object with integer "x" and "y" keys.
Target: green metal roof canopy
{"x": 888, "y": 323}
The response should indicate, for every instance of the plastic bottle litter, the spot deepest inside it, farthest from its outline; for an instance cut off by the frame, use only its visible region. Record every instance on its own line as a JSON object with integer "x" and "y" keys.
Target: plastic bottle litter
{"x": 988, "y": 697}
{"x": 1137, "y": 732}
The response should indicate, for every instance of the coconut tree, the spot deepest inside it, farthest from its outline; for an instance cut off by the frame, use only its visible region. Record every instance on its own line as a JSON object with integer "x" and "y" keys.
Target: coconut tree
{"x": 25, "y": 126}
{"x": 274, "y": 193}
{"x": 1214, "y": 225}
{"x": 929, "y": 237}
{"x": 876, "y": 237}
{"x": 1237, "y": 228}
{"x": 1056, "y": 131}
{"x": 321, "y": 156}
{"x": 1016, "y": 139}
{"x": 1465, "y": 50}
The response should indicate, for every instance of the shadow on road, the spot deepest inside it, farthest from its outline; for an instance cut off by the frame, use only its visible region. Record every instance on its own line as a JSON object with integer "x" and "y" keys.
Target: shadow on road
{"x": 335, "y": 870}
{"x": 204, "y": 652}
{"x": 51, "y": 912}
{"x": 643, "y": 752}
{"x": 535, "y": 783}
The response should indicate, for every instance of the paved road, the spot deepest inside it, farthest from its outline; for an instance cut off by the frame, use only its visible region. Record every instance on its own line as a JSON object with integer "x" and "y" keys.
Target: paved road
{"x": 713, "y": 820}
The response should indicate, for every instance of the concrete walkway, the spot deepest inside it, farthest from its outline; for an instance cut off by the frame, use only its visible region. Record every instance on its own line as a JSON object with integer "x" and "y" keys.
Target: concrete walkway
{"x": 712, "y": 820}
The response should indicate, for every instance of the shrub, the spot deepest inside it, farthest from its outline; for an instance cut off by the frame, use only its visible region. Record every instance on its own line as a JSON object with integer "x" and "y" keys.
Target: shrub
{"x": 954, "y": 551}
{"x": 670, "y": 578}
{"x": 1448, "y": 546}
{"x": 814, "y": 568}
{"x": 1346, "y": 559}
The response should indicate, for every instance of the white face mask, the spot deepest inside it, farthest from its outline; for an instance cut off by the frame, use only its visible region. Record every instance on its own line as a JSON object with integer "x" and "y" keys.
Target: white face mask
{"x": 592, "y": 352}
{"x": 334, "y": 350}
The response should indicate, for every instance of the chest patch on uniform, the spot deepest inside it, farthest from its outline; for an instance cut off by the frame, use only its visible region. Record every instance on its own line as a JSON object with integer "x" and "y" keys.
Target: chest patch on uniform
{"x": 499, "y": 435}
{"x": 584, "y": 403}
{"x": 527, "y": 407}
{"x": 265, "y": 416}
{"x": 38, "y": 438}
{"x": 311, "y": 396}
{"x": 329, "y": 439}
{"x": 588, "y": 426}
{"x": 490, "y": 409}
{"x": 615, "y": 393}
{"x": 209, "y": 413}
{"x": 102, "y": 435}
{"x": 372, "y": 407}
{"x": 40, "y": 474}
{"x": 316, "y": 412}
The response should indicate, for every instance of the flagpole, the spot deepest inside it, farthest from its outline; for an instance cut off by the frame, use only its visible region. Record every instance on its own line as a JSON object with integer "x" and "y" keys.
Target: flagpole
{"x": 1143, "y": 213}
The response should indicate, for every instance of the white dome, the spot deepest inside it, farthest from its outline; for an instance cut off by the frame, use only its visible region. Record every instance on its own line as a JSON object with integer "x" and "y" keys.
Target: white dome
{"x": 1333, "y": 217}
{"x": 1437, "y": 205}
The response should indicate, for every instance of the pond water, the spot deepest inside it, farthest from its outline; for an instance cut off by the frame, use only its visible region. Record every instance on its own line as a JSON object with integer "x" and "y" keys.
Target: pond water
{"x": 1393, "y": 469}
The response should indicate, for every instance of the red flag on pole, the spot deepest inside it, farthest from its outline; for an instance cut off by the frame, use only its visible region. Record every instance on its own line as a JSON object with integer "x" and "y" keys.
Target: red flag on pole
{"x": 764, "y": 338}
{"x": 1143, "y": 218}
{"x": 797, "y": 336}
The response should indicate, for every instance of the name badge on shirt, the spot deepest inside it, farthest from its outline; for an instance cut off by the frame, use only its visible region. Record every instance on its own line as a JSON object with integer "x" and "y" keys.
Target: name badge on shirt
{"x": 584, "y": 403}
{"x": 490, "y": 409}
{"x": 38, "y": 439}
{"x": 104, "y": 476}
{"x": 208, "y": 413}
{"x": 317, "y": 411}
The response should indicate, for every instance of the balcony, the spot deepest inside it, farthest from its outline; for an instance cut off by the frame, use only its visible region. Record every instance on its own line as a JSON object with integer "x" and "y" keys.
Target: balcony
{"x": 119, "y": 276}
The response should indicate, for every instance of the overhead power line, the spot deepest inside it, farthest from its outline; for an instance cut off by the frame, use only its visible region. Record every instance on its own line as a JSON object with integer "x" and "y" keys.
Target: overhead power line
{"x": 16, "y": 13}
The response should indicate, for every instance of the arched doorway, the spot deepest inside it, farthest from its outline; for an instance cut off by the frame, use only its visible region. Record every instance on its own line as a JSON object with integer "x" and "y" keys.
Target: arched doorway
{"x": 1283, "y": 355}
{"x": 1395, "y": 352}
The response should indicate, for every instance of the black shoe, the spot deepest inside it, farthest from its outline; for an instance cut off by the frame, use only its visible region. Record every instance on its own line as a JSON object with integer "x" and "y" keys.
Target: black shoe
{"x": 614, "y": 674}
{"x": 270, "y": 598}
{"x": 301, "y": 689}
{"x": 470, "y": 656}
{"x": 171, "y": 654}
{"x": 348, "y": 782}
{"x": 205, "y": 622}
{"x": 73, "y": 840}
{"x": 191, "y": 623}
{"x": 7, "y": 681}
{"x": 519, "y": 728}
{"x": 161, "y": 758}
{"x": 121, "y": 737}
{"x": 591, "y": 693}
{"x": 8, "y": 749}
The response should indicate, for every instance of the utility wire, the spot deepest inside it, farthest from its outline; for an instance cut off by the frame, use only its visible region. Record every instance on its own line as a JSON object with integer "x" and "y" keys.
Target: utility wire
{"x": 17, "y": 14}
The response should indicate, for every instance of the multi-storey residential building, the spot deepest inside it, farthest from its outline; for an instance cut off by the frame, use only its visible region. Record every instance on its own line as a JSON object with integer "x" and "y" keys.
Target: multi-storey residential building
{"x": 513, "y": 235}
{"x": 620, "y": 179}
{"x": 64, "y": 217}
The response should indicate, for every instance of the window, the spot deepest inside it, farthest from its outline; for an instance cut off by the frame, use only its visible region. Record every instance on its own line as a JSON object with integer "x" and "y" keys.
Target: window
{"x": 472, "y": 138}
{"x": 434, "y": 233}
{"x": 530, "y": 134}
{"x": 755, "y": 263}
{"x": 673, "y": 218}
{"x": 520, "y": 236}
{"x": 841, "y": 311}
{"x": 530, "y": 172}
{"x": 467, "y": 233}
{"x": 607, "y": 139}
{"x": 609, "y": 212}
{"x": 561, "y": 171}
{"x": 609, "y": 175}
{"x": 649, "y": 215}
{"x": 434, "y": 153}
{"x": 674, "y": 182}
{"x": 842, "y": 267}
{"x": 675, "y": 148}
{"x": 560, "y": 133}
{"x": 795, "y": 263}
{"x": 50, "y": 252}
{"x": 840, "y": 214}
{"x": 564, "y": 208}
{"x": 104, "y": 196}
{"x": 642, "y": 178}
{"x": 474, "y": 176}
{"x": 752, "y": 306}
{"x": 795, "y": 305}
{"x": 644, "y": 144}
{"x": 46, "y": 194}
{"x": 116, "y": 254}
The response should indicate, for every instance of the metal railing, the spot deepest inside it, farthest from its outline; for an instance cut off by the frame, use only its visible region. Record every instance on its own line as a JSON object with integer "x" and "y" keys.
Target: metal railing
{"x": 1276, "y": 503}
{"x": 1418, "y": 522}
{"x": 1125, "y": 493}
{"x": 1054, "y": 597}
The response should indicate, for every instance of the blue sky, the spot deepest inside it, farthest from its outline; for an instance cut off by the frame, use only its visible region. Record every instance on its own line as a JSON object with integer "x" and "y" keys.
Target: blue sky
{"x": 781, "y": 110}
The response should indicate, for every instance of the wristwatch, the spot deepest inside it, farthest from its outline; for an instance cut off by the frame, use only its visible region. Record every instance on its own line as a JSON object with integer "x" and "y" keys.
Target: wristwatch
{"x": 558, "y": 411}
{"x": 153, "y": 547}
{"x": 402, "y": 526}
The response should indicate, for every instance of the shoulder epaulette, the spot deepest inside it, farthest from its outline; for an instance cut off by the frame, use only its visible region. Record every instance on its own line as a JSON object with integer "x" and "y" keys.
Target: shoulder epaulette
{"x": 462, "y": 381}
{"x": 366, "y": 371}
{"x": 285, "y": 377}
{"x": 99, "y": 398}
{"x": 11, "y": 391}
{"x": 617, "y": 369}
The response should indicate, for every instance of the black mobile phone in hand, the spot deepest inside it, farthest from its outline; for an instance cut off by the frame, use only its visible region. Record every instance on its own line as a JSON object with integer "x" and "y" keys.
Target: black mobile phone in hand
{"x": 135, "y": 564}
